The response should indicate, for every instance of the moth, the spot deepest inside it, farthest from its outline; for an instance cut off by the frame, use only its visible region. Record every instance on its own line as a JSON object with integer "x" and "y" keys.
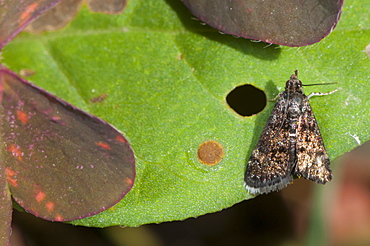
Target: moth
{"x": 290, "y": 145}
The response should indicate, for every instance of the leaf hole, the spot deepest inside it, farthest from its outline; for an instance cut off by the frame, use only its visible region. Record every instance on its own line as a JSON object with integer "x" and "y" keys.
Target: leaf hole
{"x": 246, "y": 100}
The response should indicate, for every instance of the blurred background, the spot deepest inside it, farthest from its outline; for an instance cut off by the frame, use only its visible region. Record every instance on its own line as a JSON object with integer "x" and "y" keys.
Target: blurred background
{"x": 304, "y": 213}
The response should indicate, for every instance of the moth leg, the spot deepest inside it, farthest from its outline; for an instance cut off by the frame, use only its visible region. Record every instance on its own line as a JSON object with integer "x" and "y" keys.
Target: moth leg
{"x": 322, "y": 94}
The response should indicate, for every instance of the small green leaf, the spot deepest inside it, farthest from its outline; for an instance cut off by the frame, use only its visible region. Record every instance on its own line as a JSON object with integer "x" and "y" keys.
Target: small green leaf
{"x": 166, "y": 78}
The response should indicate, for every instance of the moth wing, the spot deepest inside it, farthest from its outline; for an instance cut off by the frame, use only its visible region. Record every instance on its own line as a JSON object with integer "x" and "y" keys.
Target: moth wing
{"x": 269, "y": 167}
{"x": 312, "y": 160}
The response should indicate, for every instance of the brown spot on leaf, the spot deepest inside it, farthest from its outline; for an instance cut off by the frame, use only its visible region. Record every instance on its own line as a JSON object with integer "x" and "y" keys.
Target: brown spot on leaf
{"x": 26, "y": 72}
{"x": 98, "y": 98}
{"x": 210, "y": 153}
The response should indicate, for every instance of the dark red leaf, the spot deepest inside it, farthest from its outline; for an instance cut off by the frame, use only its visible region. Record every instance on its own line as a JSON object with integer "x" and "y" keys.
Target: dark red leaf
{"x": 5, "y": 206}
{"x": 15, "y": 15}
{"x": 61, "y": 163}
{"x": 58, "y": 162}
{"x": 285, "y": 22}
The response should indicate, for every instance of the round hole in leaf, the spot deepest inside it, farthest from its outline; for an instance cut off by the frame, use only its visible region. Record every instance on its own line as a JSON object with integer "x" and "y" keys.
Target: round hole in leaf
{"x": 210, "y": 153}
{"x": 246, "y": 100}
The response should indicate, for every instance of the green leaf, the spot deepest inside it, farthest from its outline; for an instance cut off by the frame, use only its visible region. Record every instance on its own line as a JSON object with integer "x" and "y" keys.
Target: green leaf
{"x": 166, "y": 78}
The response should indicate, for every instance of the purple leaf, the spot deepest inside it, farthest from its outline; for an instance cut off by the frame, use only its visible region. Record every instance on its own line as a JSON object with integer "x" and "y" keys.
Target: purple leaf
{"x": 285, "y": 22}
{"x": 58, "y": 162}
{"x": 61, "y": 163}
{"x": 16, "y": 14}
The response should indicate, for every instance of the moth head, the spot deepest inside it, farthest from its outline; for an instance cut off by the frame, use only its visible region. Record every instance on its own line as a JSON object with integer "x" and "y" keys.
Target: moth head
{"x": 294, "y": 84}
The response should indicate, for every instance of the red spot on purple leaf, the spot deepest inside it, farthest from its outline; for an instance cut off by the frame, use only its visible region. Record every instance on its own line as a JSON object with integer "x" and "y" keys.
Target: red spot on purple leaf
{"x": 27, "y": 13}
{"x": 121, "y": 139}
{"x": 22, "y": 117}
{"x": 129, "y": 181}
{"x": 103, "y": 145}
{"x": 16, "y": 151}
{"x": 10, "y": 174}
{"x": 59, "y": 217}
{"x": 50, "y": 206}
{"x": 40, "y": 196}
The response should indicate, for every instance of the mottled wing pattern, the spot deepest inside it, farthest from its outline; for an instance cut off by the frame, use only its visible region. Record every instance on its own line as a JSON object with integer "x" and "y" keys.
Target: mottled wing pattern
{"x": 269, "y": 168}
{"x": 312, "y": 159}
{"x": 61, "y": 163}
